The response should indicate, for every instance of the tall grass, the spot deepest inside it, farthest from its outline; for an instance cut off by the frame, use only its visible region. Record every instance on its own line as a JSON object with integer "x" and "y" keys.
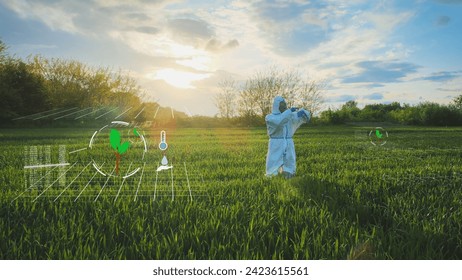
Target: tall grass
{"x": 349, "y": 200}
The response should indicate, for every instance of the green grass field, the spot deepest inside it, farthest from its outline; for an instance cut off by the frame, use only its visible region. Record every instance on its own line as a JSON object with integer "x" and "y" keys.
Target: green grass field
{"x": 349, "y": 200}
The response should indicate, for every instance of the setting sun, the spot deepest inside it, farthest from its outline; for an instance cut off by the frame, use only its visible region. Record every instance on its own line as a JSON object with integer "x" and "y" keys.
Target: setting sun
{"x": 179, "y": 79}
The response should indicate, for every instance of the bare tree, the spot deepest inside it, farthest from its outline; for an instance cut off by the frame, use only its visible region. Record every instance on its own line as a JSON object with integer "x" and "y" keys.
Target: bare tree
{"x": 255, "y": 98}
{"x": 265, "y": 85}
{"x": 225, "y": 100}
{"x": 310, "y": 95}
{"x": 246, "y": 105}
{"x": 458, "y": 102}
{"x": 258, "y": 92}
{"x": 261, "y": 89}
{"x": 291, "y": 83}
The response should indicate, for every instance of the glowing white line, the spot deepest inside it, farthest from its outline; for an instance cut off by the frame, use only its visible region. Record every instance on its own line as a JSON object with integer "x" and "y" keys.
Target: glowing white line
{"x": 106, "y": 113}
{"x": 123, "y": 113}
{"x": 158, "y": 107}
{"x": 87, "y": 184}
{"x": 187, "y": 178}
{"x": 37, "y": 114}
{"x": 97, "y": 169}
{"x": 141, "y": 195}
{"x": 71, "y": 182}
{"x": 123, "y": 181}
{"x": 91, "y": 140}
{"x": 139, "y": 183}
{"x": 54, "y": 182}
{"x": 45, "y": 165}
{"x": 60, "y": 112}
{"x": 79, "y": 117}
{"x": 155, "y": 187}
{"x": 172, "y": 113}
{"x": 131, "y": 174}
{"x": 173, "y": 194}
{"x": 120, "y": 122}
{"x": 70, "y": 114}
{"x": 163, "y": 167}
{"x": 144, "y": 141}
{"x": 139, "y": 112}
{"x": 36, "y": 182}
{"x": 46, "y": 174}
{"x": 108, "y": 177}
{"x": 79, "y": 150}
{"x": 187, "y": 111}
{"x": 103, "y": 128}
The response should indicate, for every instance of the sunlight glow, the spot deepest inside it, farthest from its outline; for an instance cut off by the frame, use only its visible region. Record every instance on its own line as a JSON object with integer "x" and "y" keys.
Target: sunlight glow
{"x": 179, "y": 79}
{"x": 197, "y": 62}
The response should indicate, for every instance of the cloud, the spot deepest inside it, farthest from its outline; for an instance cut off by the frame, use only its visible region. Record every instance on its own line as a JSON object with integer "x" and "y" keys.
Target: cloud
{"x": 374, "y": 96}
{"x": 355, "y": 34}
{"x": 381, "y": 72}
{"x": 280, "y": 11}
{"x": 442, "y": 21}
{"x": 138, "y": 16}
{"x": 212, "y": 82}
{"x": 87, "y": 17}
{"x": 97, "y": 18}
{"x": 291, "y": 28}
{"x": 375, "y": 85}
{"x": 354, "y": 45}
{"x": 443, "y": 76}
{"x": 450, "y": 89}
{"x": 313, "y": 18}
{"x": 279, "y": 30}
{"x": 52, "y": 15}
{"x": 191, "y": 31}
{"x": 147, "y": 29}
{"x": 215, "y": 45}
{"x": 455, "y": 2}
{"x": 340, "y": 98}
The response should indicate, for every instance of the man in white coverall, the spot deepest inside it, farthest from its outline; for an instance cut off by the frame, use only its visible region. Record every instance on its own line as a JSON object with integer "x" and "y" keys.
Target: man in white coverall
{"x": 281, "y": 125}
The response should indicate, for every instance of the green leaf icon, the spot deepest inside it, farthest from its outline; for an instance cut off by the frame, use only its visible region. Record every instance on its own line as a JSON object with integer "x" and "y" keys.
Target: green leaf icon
{"x": 114, "y": 138}
{"x": 378, "y": 134}
{"x": 124, "y": 147}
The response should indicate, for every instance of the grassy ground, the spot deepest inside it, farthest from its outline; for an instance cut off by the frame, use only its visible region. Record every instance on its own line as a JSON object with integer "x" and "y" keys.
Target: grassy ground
{"x": 350, "y": 199}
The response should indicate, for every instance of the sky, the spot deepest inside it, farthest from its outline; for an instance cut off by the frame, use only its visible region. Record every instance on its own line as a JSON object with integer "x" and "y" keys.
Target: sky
{"x": 179, "y": 51}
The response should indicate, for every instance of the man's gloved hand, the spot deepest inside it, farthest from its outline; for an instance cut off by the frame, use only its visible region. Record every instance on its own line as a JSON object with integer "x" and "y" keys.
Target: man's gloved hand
{"x": 308, "y": 114}
{"x": 304, "y": 114}
{"x": 293, "y": 109}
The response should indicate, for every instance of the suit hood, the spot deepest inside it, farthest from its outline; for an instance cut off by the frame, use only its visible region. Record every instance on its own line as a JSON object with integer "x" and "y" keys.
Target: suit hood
{"x": 277, "y": 100}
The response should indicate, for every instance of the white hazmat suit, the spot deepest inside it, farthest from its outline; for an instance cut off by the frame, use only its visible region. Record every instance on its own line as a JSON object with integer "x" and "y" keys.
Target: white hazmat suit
{"x": 281, "y": 127}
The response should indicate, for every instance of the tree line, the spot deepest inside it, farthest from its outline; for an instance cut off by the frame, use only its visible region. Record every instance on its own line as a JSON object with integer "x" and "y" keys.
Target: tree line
{"x": 39, "y": 84}
{"x": 249, "y": 102}
{"x": 425, "y": 113}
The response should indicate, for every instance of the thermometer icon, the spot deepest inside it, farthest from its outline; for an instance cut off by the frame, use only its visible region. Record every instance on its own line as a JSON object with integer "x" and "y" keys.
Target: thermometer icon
{"x": 163, "y": 145}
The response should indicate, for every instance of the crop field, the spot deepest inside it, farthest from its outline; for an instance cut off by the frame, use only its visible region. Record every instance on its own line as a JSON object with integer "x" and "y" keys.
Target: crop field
{"x": 349, "y": 200}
